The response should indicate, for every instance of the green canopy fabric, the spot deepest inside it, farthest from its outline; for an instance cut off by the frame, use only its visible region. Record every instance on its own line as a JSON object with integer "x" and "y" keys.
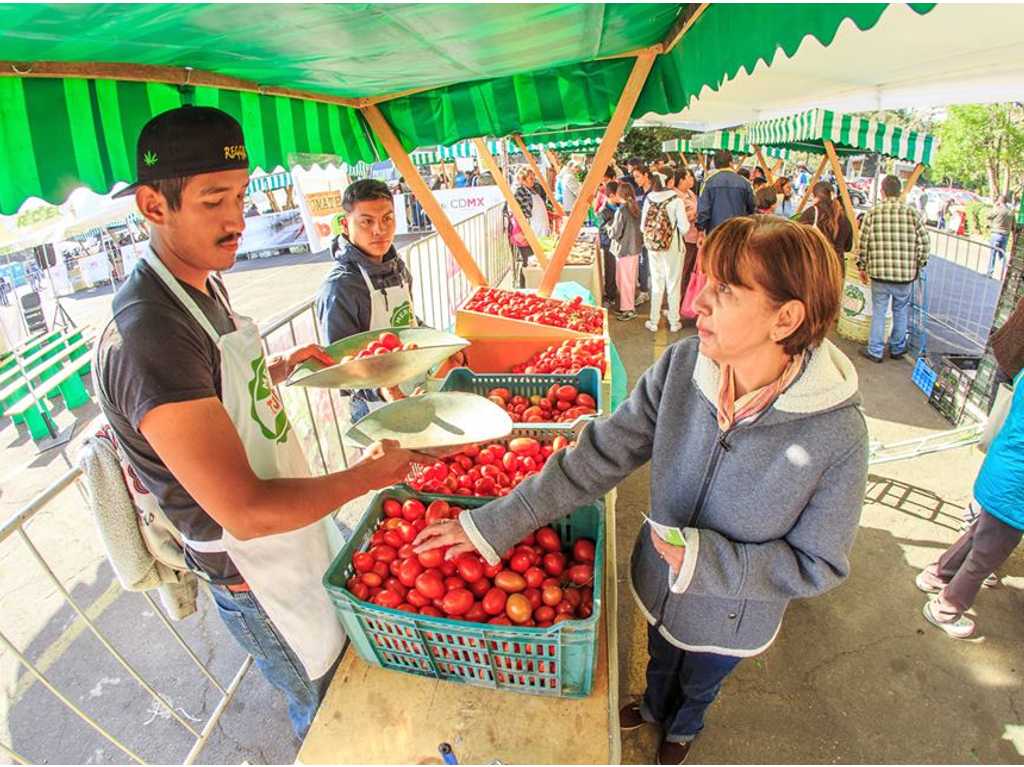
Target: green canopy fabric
{"x": 467, "y": 149}
{"x": 677, "y": 145}
{"x": 565, "y": 140}
{"x": 489, "y": 70}
{"x": 270, "y": 182}
{"x": 735, "y": 141}
{"x": 807, "y": 132}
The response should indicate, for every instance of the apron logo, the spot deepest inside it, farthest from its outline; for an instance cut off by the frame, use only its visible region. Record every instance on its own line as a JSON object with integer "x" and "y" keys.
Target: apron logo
{"x": 261, "y": 392}
{"x": 854, "y": 300}
{"x": 402, "y": 315}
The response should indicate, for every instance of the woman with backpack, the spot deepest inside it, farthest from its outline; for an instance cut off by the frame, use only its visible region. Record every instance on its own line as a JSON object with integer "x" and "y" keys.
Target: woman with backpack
{"x": 626, "y": 243}
{"x": 827, "y": 216}
{"x": 664, "y": 222}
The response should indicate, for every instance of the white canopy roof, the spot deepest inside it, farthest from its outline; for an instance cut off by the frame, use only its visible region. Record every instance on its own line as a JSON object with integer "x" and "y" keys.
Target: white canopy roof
{"x": 956, "y": 54}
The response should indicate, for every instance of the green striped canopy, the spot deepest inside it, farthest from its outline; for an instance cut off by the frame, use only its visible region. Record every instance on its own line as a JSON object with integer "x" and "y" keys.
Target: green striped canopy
{"x": 497, "y": 69}
{"x": 677, "y": 145}
{"x": 424, "y": 157}
{"x": 735, "y": 141}
{"x": 468, "y": 149}
{"x": 270, "y": 182}
{"x": 807, "y": 132}
{"x": 564, "y": 140}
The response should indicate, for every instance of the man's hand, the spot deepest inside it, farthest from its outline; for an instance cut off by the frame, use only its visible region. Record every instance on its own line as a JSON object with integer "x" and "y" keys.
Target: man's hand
{"x": 864, "y": 277}
{"x": 281, "y": 366}
{"x": 673, "y": 555}
{"x": 447, "y": 532}
{"x": 388, "y": 463}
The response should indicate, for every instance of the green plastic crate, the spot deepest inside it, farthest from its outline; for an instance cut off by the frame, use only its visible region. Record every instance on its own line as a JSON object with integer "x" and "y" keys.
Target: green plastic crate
{"x": 558, "y": 661}
{"x": 587, "y": 380}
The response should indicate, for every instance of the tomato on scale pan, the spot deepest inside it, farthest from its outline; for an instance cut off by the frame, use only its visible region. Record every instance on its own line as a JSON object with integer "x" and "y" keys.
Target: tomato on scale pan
{"x": 386, "y": 343}
{"x": 539, "y": 581}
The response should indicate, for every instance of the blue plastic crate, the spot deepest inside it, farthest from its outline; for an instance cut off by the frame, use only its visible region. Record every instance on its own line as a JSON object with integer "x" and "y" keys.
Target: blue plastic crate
{"x": 924, "y": 377}
{"x": 587, "y": 380}
{"x": 558, "y": 661}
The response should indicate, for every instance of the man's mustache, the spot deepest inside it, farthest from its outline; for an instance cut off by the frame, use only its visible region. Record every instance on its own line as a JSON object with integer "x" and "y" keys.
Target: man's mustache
{"x": 229, "y": 239}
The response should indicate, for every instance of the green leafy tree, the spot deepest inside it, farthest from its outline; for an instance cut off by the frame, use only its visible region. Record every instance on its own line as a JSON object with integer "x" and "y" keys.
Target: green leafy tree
{"x": 645, "y": 143}
{"x": 982, "y": 146}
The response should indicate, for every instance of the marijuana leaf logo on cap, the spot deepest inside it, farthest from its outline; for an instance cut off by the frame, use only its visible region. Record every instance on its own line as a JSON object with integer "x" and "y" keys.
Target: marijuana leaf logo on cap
{"x": 150, "y": 159}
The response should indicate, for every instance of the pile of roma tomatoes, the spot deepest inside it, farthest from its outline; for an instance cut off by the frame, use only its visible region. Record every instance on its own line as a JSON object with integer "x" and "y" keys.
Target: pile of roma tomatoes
{"x": 566, "y": 357}
{"x": 537, "y": 583}
{"x": 386, "y": 343}
{"x": 515, "y": 305}
{"x": 487, "y": 471}
{"x": 561, "y": 404}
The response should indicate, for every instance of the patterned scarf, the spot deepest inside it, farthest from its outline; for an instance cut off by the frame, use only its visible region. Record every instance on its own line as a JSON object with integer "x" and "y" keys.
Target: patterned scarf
{"x": 732, "y": 411}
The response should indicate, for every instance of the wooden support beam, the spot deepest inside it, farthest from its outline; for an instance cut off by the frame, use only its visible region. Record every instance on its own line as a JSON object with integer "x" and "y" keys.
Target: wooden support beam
{"x": 679, "y": 29}
{"x": 769, "y": 177}
{"x": 810, "y": 186}
{"x": 553, "y": 159}
{"x": 159, "y": 74}
{"x": 513, "y": 204}
{"x": 555, "y": 204}
{"x": 911, "y": 182}
{"x": 605, "y": 153}
{"x": 778, "y": 167}
{"x": 423, "y": 194}
{"x": 844, "y": 192}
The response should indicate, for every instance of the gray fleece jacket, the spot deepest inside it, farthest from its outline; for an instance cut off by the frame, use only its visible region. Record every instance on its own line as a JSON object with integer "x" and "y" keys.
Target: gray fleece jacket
{"x": 769, "y": 509}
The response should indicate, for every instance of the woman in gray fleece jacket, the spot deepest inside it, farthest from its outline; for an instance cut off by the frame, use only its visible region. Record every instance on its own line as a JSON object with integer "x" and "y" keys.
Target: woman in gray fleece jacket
{"x": 758, "y": 452}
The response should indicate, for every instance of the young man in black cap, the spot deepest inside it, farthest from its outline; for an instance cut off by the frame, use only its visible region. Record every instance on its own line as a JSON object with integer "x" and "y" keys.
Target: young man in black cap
{"x": 186, "y": 387}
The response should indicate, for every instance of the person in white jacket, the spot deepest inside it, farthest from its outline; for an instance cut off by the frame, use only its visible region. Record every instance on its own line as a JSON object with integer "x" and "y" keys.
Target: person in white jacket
{"x": 665, "y": 212}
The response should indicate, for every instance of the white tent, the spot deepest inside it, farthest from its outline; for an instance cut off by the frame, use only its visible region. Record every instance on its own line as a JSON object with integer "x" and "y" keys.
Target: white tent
{"x": 955, "y": 54}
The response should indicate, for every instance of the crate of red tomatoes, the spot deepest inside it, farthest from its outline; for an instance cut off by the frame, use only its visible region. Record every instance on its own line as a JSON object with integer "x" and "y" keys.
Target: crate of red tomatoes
{"x": 528, "y": 624}
{"x": 493, "y": 469}
{"x": 541, "y": 400}
{"x": 495, "y": 312}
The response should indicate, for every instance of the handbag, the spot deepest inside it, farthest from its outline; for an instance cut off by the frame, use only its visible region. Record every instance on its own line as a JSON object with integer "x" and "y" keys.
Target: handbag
{"x": 996, "y": 417}
{"x": 516, "y": 235}
{"x": 693, "y": 289}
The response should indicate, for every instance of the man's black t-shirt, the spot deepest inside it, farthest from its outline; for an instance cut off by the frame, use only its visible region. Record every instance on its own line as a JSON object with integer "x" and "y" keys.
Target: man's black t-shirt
{"x": 153, "y": 352}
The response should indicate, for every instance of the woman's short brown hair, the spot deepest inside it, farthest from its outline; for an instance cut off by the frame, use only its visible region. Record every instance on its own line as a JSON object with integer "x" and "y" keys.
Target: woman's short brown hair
{"x": 788, "y": 261}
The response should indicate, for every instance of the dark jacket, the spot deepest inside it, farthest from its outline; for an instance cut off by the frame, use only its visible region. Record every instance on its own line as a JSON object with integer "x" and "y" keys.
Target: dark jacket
{"x": 625, "y": 230}
{"x": 841, "y": 239}
{"x": 343, "y": 302}
{"x": 725, "y": 195}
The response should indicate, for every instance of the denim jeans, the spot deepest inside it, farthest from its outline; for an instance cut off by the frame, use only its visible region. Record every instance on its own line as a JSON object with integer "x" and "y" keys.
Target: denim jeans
{"x": 900, "y": 293}
{"x": 644, "y": 278}
{"x": 680, "y": 686}
{"x": 252, "y": 628}
{"x": 998, "y": 245}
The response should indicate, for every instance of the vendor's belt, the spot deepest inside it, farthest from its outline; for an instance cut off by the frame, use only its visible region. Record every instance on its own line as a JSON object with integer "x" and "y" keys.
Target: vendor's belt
{"x": 237, "y": 587}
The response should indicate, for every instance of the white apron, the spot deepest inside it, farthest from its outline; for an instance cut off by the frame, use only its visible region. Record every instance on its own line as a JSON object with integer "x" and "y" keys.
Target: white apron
{"x": 283, "y": 570}
{"x": 539, "y": 216}
{"x": 389, "y": 308}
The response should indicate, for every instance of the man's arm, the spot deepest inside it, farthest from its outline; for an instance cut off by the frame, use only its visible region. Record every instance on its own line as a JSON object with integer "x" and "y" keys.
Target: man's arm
{"x": 749, "y": 202}
{"x": 201, "y": 448}
{"x": 924, "y": 244}
{"x": 866, "y": 232}
{"x": 704, "y": 209}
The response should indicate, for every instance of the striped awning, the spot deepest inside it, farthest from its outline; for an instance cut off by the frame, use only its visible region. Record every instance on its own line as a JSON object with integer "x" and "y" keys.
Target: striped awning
{"x": 270, "y": 182}
{"x": 735, "y": 141}
{"x": 564, "y": 140}
{"x": 677, "y": 145}
{"x": 425, "y": 157}
{"x": 467, "y": 149}
{"x": 807, "y": 132}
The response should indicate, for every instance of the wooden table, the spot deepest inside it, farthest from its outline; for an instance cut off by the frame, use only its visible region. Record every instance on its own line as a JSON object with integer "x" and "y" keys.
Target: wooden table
{"x": 374, "y": 716}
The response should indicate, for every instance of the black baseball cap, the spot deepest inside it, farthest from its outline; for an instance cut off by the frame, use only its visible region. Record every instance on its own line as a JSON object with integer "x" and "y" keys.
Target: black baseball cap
{"x": 187, "y": 141}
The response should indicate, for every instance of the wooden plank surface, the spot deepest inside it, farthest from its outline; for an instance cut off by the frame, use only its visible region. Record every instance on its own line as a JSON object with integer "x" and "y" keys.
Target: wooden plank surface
{"x": 374, "y": 716}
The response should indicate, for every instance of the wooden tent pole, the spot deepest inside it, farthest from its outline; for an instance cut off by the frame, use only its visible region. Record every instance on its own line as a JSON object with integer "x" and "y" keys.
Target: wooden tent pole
{"x": 558, "y": 209}
{"x": 553, "y": 159}
{"x": 837, "y": 169}
{"x": 911, "y": 181}
{"x": 810, "y": 186}
{"x": 423, "y": 194}
{"x": 778, "y": 167}
{"x": 605, "y": 153}
{"x": 769, "y": 177}
{"x": 513, "y": 204}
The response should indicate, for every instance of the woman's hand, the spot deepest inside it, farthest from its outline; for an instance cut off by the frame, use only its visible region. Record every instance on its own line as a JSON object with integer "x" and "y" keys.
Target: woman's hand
{"x": 447, "y": 532}
{"x": 673, "y": 555}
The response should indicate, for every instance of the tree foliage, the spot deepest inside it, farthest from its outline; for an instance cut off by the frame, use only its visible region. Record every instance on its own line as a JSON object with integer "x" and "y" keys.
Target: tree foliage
{"x": 645, "y": 143}
{"x": 982, "y": 147}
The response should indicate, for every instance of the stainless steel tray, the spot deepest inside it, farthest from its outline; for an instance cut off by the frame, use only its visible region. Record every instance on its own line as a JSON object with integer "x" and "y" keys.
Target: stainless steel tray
{"x": 385, "y": 370}
{"x": 433, "y": 423}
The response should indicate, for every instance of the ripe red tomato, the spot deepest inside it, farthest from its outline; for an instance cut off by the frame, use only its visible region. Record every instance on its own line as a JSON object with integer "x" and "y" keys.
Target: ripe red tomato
{"x": 470, "y": 567}
{"x": 432, "y": 558}
{"x": 544, "y": 614}
{"x": 518, "y": 609}
{"x": 491, "y": 570}
{"x": 381, "y": 569}
{"x": 548, "y": 539}
{"x": 510, "y": 581}
{"x": 361, "y": 591}
{"x": 384, "y": 553}
{"x": 581, "y": 575}
{"x": 392, "y": 508}
{"x": 457, "y": 601}
{"x": 394, "y": 585}
{"x": 524, "y": 446}
{"x": 431, "y": 610}
{"x": 412, "y": 510}
{"x": 389, "y": 340}
{"x": 551, "y": 595}
{"x": 520, "y": 562}
{"x": 479, "y": 587}
{"x": 583, "y": 550}
{"x": 388, "y": 599}
{"x": 409, "y": 571}
{"x": 393, "y": 566}
{"x": 476, "y": 614}
{"x": 554, "y": 563}
{"x": 454, "y": 582}
{"x": 394, "y": 539}
{"x": 407, "y": 531}
{"x": 534, "y": 577}
{"x": 363, "y": 561}
{"x": 573, "y": 597}
{"x": 566, "y": 393}
{"x": 416, "y": 599}
{"x": 535, "y": 598}
{"x": 494, "y": 601}
{"x": 448, "y": 568}
{"x": 430, "y": 584}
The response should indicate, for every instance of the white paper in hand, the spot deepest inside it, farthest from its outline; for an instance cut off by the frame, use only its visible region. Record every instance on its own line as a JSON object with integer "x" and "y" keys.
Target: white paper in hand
{"x": 668, "y": 534}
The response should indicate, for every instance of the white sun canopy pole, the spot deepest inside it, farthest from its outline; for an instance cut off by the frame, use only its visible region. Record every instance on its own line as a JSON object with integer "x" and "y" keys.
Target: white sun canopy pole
{"x": 956, "y": 54}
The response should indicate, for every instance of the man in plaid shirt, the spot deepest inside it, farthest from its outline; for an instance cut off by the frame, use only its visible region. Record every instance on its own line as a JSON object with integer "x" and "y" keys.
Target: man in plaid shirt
{"x": 894, "y": 248}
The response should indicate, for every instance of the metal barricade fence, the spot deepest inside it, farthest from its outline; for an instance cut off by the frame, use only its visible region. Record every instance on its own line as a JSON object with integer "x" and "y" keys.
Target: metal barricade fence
{"x": 319, "y": 417}
{"x": 955, "y": 303}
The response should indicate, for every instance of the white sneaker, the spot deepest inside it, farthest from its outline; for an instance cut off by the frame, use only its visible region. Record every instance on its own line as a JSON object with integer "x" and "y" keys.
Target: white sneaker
{"x": 651, "y": 326}
{"x": 928, "y": 582}
{"x": 955, "y": 626}
{"x": 675, "y": 328}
